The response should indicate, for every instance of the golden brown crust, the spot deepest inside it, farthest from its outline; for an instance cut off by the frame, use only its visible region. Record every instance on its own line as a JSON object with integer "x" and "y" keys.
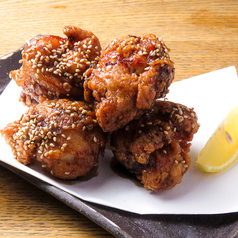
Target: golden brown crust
{"x": 155, "y": 147}
{"x": 132, "y": 72}
{"x": 151, "y": 138}
{"x": 53, "y": 66}
{"x": 63, "y": 135}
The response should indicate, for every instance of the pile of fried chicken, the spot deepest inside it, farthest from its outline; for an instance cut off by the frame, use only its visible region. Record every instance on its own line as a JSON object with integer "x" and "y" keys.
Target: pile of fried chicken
{"x": 81, "y": 96}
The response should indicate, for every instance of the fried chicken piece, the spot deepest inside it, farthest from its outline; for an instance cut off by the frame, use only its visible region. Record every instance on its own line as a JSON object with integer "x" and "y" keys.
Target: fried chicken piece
{"x": 53, "y": 66}
{"x": 63, "y": 135}
{"x": 155, "y": 147}
{"x": 132, "y": 72}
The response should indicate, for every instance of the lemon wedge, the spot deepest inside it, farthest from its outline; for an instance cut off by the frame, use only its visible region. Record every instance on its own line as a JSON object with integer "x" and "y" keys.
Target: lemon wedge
{"x": 221, "y": 150}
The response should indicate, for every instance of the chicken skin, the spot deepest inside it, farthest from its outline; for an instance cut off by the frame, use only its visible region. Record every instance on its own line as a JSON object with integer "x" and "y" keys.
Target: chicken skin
{"x": 63, "y": 135}
{"x": 132, "y": 72}
{"x": 155, "y": 147}
{"x": 53, "y": 66}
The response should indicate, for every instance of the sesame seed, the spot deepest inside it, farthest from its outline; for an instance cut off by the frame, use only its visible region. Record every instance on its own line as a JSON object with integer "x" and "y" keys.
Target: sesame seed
{"x": 180, "y": 111}
{"x": 181, "y": 119}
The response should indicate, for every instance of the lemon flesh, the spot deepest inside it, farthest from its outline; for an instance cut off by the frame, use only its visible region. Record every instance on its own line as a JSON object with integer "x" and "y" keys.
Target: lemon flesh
{"x": 221, "y": 150}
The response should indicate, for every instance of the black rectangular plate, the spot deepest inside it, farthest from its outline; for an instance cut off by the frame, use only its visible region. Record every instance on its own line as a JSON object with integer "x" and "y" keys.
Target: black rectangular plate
{"x": 126, "y": 224}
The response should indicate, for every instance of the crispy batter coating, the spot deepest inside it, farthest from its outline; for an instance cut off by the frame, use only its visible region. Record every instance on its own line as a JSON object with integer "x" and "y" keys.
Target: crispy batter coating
{"x": 63, "y": 135}
{"x": 132, "y": 72}
{"x": 155, "y": 147}
{"x": 53, "y": 66}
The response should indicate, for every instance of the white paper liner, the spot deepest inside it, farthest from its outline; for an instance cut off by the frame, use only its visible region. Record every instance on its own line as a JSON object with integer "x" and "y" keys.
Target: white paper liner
{"x": 212, "y": 96}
